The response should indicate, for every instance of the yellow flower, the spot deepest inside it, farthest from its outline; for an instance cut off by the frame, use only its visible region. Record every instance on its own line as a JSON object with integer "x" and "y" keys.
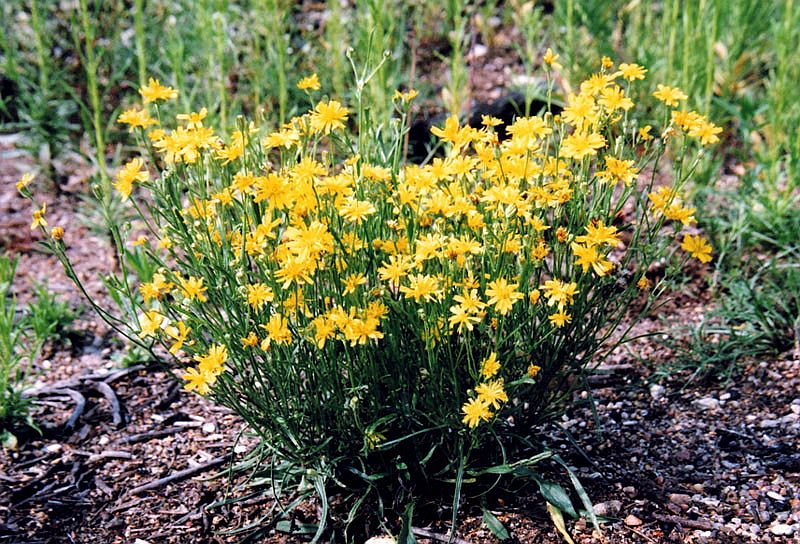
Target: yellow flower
{"x": 619, "y": 170}
{"x": 492, "y": 393}
{"x": 489, "y": 121}
{"x": 39, "y": 217}
{"x": 406, "y": 96}
{"x": 560, "y": 319}
{"x": 259, "y": 294}
{"x": 130, "y": 173}
{"x": 698, "y": 247}
{"x": 136, "y": 119}
{"x": 707, "y": 132}
{"x": 559, "y": 292}
{"x": 644, "y": 133}
{"x": 420, "y": 287}
{"x": 597, "y": 233}
{"x": 352, "y": 282}
{"x": 198, "y": 381}
{"x": 356, "y": 211}
{"x": 533, "y": 370}
{"x": 154, "y": 91}
{"x": 490, "y": 366}
{"x": 192, "y": 288}
{"x": 309, "y": 83}
{"x": 669, "y": 95}
{"x": 57, "y": 233}
{"x": 328, "y": 116}
{"x": 503, "y": 295}
{"x": 643, "y": 283}
{"x": 632, "y": 72}
{"x": 462, "y": 318}
{"x": 580, "y": 144}
{"x": 213, "y": 362}
{"x": 179, "y": 334}
{"x": 587, "y": 256}
{"x": 277, "y": 331}
{"x": 550, "y": 59}
{"x": 150, "y": 322}
{"x": 394, "y": 270}
{"x": 194, "y": 119}
{"x": 475, "y": 411}
{"x": 24, "y": 181}
{"x": 249, "y": 341}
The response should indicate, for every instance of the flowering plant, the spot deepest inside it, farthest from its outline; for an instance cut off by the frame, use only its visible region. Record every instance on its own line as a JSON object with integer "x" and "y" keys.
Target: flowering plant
{"x": 389, "y": 324}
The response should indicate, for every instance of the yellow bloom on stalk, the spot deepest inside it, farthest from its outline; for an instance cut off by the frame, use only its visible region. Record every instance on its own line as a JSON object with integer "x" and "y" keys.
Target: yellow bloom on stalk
{"x": 489, "y": 121}
{"x": 632, "y": 72}
{"x": 587, "y": 256}
{"x": 57, "y": 233}
{"x": 405, "y": 96}
{"x": 259, "y": 294}
{"x": 198, "y": 381}
{"x": 618, "y": 170}
{"x": 324, "y": 330}
{"x": 559, "y": 292}
{"x": 309, "y": 83}
{"x": 533, "y": 370}
{"x": 462, "y": 318}
{"x": 492, "y": 393}
{"x": 550, "y": 59}
{"x": 352, "y": 282}
{"x": 581, "y": 111}
{"x": 136, "y": 119}
{"x": 149, "y": 323}
{"x": 706, "y": 132}
{"x": 24, "y": 180}
{"x": 613, "y": 98}
{"x": 155, "y": 91}
{"x": 669, "y": 95}
{"x": 39, "y": 217}
{"x": 179, "y": 333}
{"x": 644, "y": 133}
{"x": 277, "y": 331}
{"x": 597, "y": 233}
{"x": 128, "y": 174}
{"x": 249, "y": 341}
{"x": 643, "y": 283}
{"x": 328, "y": 116}
{"x": 698, "y": 247}
{"x": 359, "y": 331}
{"x": 395, "y": 270}
{"x": 560, "y": 319}
{"x": 475, "y": 411}
{"x": 193, "y": 120}
{"x": 580, "y": 144}
{"x": 421, "y": 287}
{"x": 490, "y": 366}
{"x": 154, "y": 288}
{"x": 213, "y": 362}
{"x": 192, "y": 288}
{"x": 356, "y": 211}
{"x": 503, "y": 295}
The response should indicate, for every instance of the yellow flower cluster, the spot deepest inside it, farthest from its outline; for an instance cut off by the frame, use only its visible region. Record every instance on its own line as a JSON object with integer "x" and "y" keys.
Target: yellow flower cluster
{"x": 343, "y": 254}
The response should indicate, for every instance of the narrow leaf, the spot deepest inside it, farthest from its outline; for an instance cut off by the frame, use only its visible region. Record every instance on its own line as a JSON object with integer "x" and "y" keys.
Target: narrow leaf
{"x": 495, "y": 525}
{"x": 558, "y": 521}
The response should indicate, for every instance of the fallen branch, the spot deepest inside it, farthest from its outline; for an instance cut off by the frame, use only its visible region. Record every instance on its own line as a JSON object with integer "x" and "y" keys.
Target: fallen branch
{"x": 145, "y": 437}
{"x": 80, "y": 404}
{"x": 436, "y": 536}
{"x": 180, "y": 475}
{"x": 116, "y": 409}
{"x": 699, "y": 524}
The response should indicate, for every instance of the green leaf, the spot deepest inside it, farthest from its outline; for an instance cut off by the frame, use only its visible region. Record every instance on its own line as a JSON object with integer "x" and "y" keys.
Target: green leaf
{"x": 495, "y": 525}
{"x": 556, "y": 495}
{"x": 406, "y": 535}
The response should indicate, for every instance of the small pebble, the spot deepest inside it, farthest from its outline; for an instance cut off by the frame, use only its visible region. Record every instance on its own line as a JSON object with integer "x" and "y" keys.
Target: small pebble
{"x": 707, "y": 404}
{"x": 781, "y": 529}
{"x": 632, "y": 521}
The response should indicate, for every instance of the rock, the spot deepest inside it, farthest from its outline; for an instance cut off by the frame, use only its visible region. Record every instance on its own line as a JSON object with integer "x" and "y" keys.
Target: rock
{"x": 657, "y": 391}
{"x": 680, "y": 499}
{"x": 707, "y": 404}
{"x": 608, "y": 508}
{"x": 776, "y": 496}
{"x": 769, "y": 423}
{"x": 781, "y": 529}
{"x": 381, "y": 540}
{"x": 632, "y": 521}
{"x": 629, "y": 491}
